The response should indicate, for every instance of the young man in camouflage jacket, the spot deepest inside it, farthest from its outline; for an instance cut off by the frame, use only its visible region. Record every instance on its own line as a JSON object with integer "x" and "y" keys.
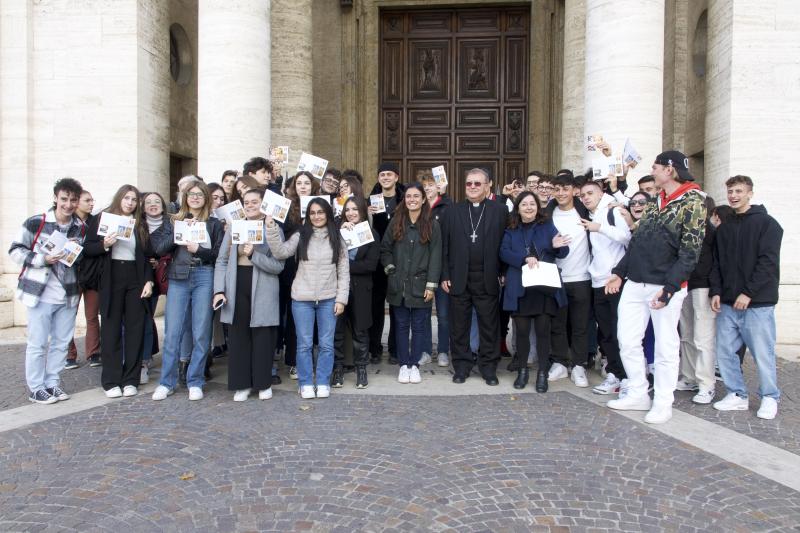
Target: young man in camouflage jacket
{"x": 662, "y": 254}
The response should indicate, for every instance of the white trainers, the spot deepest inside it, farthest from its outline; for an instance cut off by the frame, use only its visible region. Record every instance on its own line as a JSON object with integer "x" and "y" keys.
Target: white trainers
{"x": 631, "y": 403}
{"x": 658, "y": 414}
{"x": 195, "y": 393}
{"x": 114, "y": 392}
{"x": 442, "y": 359}
{"x": 732, "y": 402}
{"x": 413, "y": 375}
{"x": 425, "y": 359}
{"x": 144, "y": 375}
{"x": 293, "y": 372}
{"x": 242, "y": 395}
{"x": 768, "y": 409}
{"x": 162, "y": 392}
{"x": 403, "y": 376}
{"x": 307, "y": 392}
{"x": 685, "y": 384}
{"x": 323, "y": 391}
{"x": 129, "y": 390}
{"x": 703, "y": 397}
{"x": 557, "y": 371}
{"x": 623, "y": 389}
{"x": 265, "y": 394}
{"x": 579, "y": 376}
{"x": 608, "y": 386}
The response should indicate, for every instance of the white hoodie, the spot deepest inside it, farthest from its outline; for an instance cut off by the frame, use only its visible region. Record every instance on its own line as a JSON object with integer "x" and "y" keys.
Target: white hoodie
{"x": 608, "y": 244}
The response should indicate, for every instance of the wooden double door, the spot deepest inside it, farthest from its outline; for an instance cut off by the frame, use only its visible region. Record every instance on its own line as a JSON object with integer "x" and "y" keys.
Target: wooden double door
{"x": 454, "y": 92}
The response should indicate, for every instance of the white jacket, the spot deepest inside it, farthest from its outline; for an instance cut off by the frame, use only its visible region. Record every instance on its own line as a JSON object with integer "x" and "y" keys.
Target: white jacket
{"x": 608, "y": 244}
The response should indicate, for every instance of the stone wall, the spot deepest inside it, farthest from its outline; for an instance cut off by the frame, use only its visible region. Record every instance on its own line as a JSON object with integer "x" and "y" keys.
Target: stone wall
{"x": 183, "y": 96}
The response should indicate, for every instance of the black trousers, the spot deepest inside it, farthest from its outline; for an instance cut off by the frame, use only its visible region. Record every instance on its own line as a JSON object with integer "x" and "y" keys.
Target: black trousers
{"x": 123, "y": 367}
{"x": 605, "y": 312}
{"x": 575, "y": 316}
{"x": 360, "y": 342}
{"x": 251, "y": 350}
{"x": 379, "y": 285}
{"x": 522, "y": 328}
{"x": 287, "y": 334}
{"x": 486, "y": 307}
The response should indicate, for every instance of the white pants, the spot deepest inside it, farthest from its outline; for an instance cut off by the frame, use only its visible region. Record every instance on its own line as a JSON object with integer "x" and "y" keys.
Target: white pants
{"x": 698, "y": 330}
{"x": 633, "y": 315}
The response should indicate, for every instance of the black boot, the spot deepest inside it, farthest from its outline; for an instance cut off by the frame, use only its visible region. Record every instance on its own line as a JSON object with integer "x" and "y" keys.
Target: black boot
{"x": 541, "y": 381}
{"x": 522, "y": 378}
{"x": 337, "y": 378}
{"x": 361, "y": 377}
{"x": 183, "y": 367}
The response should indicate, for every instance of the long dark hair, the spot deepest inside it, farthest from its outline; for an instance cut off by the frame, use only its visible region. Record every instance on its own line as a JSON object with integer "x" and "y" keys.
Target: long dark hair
{"x": 516, "y": 220}
{"x": 142, "y": 233}
{"x": 307, "y": 229}
{"x": 424, "y": 223}
{"x": 291, "y": 193}
{"x": 360, "y": 204}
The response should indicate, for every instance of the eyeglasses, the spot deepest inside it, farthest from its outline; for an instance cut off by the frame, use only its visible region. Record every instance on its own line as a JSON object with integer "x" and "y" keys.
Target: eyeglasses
{"x": 545, "y": 187}
{"x": 332, "y": 181}
{"x": 316, "y": 213}
{"x": 638, "y": 202}
{"x": 149, "y": 202}
{"x": 195, "y": 195}
{"x": 474, "y": 184}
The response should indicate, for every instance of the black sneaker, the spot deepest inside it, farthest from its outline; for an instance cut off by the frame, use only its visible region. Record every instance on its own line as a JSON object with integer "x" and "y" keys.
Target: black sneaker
{"x": 42, "y": 396}
{"x": 58, "y": 393}
{"x": 276, "y": 380}
{"x": 337, "y": 378}
{"x": 71, "y": 364}
{"x": 95, "y": 360}
{"x": 361, "y": 377}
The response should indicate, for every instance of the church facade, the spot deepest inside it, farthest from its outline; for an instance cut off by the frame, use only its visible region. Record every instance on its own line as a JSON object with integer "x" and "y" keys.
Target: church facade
{"x": 145, "y": 91}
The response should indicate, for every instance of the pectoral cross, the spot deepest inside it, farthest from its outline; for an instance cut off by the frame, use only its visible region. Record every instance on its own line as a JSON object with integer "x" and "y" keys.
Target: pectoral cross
{"x": 473, "y": 237}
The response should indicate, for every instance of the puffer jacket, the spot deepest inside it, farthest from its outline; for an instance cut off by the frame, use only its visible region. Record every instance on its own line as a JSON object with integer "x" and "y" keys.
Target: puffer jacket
{"x": 318, "y": 278}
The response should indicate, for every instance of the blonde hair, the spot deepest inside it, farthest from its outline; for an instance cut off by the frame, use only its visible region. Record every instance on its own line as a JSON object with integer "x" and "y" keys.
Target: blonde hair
{"x": 184, "y": 210}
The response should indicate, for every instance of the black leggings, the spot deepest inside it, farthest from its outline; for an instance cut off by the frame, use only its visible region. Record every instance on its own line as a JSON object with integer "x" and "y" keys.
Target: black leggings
{"x": 522, "y": 326}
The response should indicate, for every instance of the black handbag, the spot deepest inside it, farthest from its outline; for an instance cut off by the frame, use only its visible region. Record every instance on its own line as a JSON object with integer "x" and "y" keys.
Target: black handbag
{"x": 90, "y": 269}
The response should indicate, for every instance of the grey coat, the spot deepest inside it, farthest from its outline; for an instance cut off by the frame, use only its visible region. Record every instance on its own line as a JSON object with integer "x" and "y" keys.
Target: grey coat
{"x": 265, "y": 293}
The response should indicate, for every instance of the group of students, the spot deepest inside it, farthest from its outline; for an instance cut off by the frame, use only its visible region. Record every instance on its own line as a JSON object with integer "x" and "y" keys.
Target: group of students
{"x": 626, "y": 263}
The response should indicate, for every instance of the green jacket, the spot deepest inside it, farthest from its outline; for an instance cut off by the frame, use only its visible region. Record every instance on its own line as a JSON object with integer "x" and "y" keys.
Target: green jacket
{"x": 411, "y": 266}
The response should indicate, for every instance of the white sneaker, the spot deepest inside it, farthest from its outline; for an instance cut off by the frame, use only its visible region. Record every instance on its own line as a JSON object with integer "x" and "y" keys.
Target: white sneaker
{"x": 323, "y": 391}
{"x": 114, "y": 392}
{"x": 129, "y": 390}
{"x": 144, "y": 376}
{"x": 403, "y": 376}
{"x": 413, "y": 375}
{"x": 658, "y": 414}
{"x": 307, "y": 392}
{"x": 608, "y": 386}
{"x": 685, "y": 384}
{"x": 242, "y": 395}
{"x": 623, "y": 389}
{"x": 425, "y": 359}
{"x": 442, "y": 359}
{"x": 265, "y": 394}
{"x": 631, "y": 403}
{"x": 579, "y": 376}
{"x": 768, "y": 409}
{"x": 195, "y": 393}
{"x": 162, "y": 392}
{"x": 703, "y": 397}
{"x": 293, "y": 372}
{"x": 732, "y": 402}
{"x": 557, "y": 371}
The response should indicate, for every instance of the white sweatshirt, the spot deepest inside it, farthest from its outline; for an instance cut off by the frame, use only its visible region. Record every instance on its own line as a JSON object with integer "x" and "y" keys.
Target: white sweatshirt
{"x": 608, "y": 244}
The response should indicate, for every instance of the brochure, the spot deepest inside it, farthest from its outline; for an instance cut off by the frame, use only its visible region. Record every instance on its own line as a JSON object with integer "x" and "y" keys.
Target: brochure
{"x": 121, "y": 225}
{"x": 629, "y": 155}
{"x": 279, "y": 156}
{"x": 313, "y": 164}
{"x": 276, "y": 206}
{"x": 186, "y": 233}
{"x": 439, "y": 175}
{"x": 247, "y": 232}
{"x": 592, "y": 141}
{"x": 360, "y": 235}
{"x": 377, "y": 201}
{"x": 230, "y": 212}
{"x": 59, "y": 244}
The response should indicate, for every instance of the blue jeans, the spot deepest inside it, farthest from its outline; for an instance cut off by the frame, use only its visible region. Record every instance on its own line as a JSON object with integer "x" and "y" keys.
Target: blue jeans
{"x": 185, "y": 352}
{"x": 52, "y": 324}
{"x": 305, "y": 314}
{"x": 754, "y": 327}
{"x": 188, "y": 297}
{"x": 149, "y": 331}
{"x": 442, "y": 325}
{"x": 413, "y": 319}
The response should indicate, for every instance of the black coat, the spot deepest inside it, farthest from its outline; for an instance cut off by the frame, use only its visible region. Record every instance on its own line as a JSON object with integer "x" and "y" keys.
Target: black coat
{"x": 380, "y": 221}
{"x": 359, "y": 305}
{"x": 455, "y": 245}
{"x": 93, "y": 247}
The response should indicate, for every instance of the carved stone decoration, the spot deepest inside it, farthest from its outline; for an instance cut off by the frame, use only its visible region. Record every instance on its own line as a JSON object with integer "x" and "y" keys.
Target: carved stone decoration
{"x": 430, "y": 61}
{"x": 516, "y": 21}
{"x": 477, "y": 71}
{"x": 395, "y": 24}
{"x": 515, "y": 131}
{"x": 393, "y": 132}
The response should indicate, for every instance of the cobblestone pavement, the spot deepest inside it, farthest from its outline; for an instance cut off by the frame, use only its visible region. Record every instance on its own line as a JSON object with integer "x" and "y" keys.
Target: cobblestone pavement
{"x": 372, "y": 463}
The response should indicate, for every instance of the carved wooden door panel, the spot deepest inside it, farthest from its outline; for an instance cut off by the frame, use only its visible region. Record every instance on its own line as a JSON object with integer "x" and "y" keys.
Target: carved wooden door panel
{"x": 454, "y": 92}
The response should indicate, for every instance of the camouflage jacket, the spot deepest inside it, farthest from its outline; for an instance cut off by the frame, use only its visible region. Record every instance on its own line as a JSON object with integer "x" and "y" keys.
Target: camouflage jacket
{"x": 666, "y": 246}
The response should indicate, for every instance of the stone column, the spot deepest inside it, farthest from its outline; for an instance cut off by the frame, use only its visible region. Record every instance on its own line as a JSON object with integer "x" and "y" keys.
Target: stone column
{"x": 573, "y": 84}
{"x": 625, "y": 76}
{"x": 233, "y": 108}
{"x": 752, "y": 105}
{"x": 292, "y": 72}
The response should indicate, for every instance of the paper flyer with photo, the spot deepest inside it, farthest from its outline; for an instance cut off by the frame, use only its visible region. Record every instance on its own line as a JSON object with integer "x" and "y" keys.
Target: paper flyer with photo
{"x": 58, "y": 243}
{"x": 313, "y": 164}
{"x": 247, "y": 232}
{"x": 304, "y": 200}
{"x": 279, "y": 156}
{"x": 439, "y": 175}
{"x": 72, "y": 250}
{"x": 592, "y": 141}
{"x": 629, "y": 155}
{"x": 230, "y": 212}
{"x": 619, "y": 168}
{"x": 603, "y": 166}
{"x": 186, "y": 233}
{"x": 276, "y": 206}
{"x": 121, "y": 225}
{"x": 377, "y": 201}
{"x": 360, "y": 235}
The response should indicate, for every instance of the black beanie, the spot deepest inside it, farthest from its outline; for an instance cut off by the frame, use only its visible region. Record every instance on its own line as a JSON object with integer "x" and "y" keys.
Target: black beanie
{"x": 388, "y": 166}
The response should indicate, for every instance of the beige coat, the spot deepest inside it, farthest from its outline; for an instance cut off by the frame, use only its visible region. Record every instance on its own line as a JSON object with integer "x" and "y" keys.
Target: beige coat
{"x": 318, "y": 278}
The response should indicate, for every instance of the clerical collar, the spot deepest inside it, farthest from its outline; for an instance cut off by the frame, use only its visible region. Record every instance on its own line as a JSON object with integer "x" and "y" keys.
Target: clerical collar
{"x": 478, "y": 204}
